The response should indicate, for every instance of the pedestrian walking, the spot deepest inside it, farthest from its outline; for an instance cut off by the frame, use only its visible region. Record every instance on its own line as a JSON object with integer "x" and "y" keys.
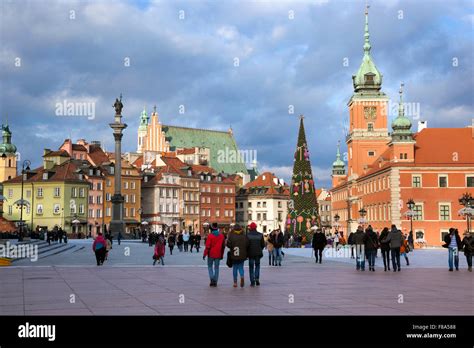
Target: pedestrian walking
{"x": 238, "y": 243}
{"x": 371, "y": 244}
{"x": 350, "y": 241}
{"x": 453, "y": 243}
{"x": 276, "y": 238}
{"x": 197, "y": 241}
{"x": 359, "y": 242}
{"x": 171, "y": 242}
{"x": 214, "y": 251}
{"x": 468, "y": 246}
{"x": 319, "y": 243}
{"x": 385, "y": 249}
{"x": 411, "y": 241}
{"x": 191, "y": 241}
{"x": 108, "y": 247}
{"x": 119, "y": 237}
{"x": 336, "y": 239}
{"x": 99, "y": 248}
{"x": 271, "y": 258}
{"x": 255, "y": 253}
{"x": 186, "y": 238}
{"x": 395, "y": 238}
{"x": 405, "y": 249}
{"x": 160, "y": 248}
{"x": 180, "y": 242}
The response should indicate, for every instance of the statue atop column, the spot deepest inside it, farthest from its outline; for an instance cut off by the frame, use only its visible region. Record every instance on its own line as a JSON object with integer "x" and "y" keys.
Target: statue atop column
{"x": 118, "y": 105}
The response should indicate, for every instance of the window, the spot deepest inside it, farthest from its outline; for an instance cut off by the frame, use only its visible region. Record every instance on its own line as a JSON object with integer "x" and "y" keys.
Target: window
{"x": 125, "y": 185}
{"x": 203, "y": 212}
{"x": 175, "y": 208}
{"x": 443, "y": 181}
{"x": 132, "y": 185}
{"x": 126, "y": 198}
{"x": 109, "y": 183}
{"x": 444, "y": 233}
{"x": 73, "y": 191}
{"x": 416, "y": 180}
{"x": 39, "y": 192}
{"x": 132, "y": 212}
{"x": 208, "y": 199}
{"x": 371, "y": 153}
{"x": 108, "y": 197}
{"x": 250, "y": 204}
{"x": 259, "y": 216}
{"x": 91, "y": 213}
{"x": 28, "y": 193}
{"x": 418, "y": 210}
{"x": 264, "y": 216}
{"x": 264, "y": 204}
{"x": 218, "y": 212}
{"x": 218, "y": 189}
{"x": 99, "y": 186}
{"x": 10, "y": 193}
{"x": 99, "y": 199}
{"x": 444, "y": 212}
{"x": 175, "y": 193}
{"x": 231, "y": 190}
{"x": 39, "y": 209}
{"x": 133, "y": 199}
{"x": 231, "y": 213}
{"x": 45, "y": 176}
{"x": 258, "y": 204}
{"x": 249, "y": 216}
{"x": 81, "y": 208}
{"x": 125, "y": 212}
{"x": 10, "y": 210}
{"x": 470, "y": 181}
{"x": 203, "y": 199}
{"x": 56, "y": 209}
{"x": 108, "y": 211}
{"x": 370, "y": 127}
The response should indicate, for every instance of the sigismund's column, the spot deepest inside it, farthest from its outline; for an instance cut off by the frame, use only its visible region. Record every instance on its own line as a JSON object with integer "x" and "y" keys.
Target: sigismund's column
{"x": 117, "y": 224}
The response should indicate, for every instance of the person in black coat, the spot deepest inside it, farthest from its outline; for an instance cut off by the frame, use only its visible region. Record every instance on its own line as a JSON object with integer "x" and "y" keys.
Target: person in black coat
{"x": 319, "y": 243}
{"x": 197, "y": 241}
{"x": 385, "y": 248}
{"x": 191, "y": 241}
{"x": 371, "y": 245}
{"x": 453, "y": 243}
{"x": 350, "y": 241}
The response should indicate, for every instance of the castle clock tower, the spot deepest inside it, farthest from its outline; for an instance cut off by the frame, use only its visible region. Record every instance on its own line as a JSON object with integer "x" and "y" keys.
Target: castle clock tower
{"x": 368, "y": 134}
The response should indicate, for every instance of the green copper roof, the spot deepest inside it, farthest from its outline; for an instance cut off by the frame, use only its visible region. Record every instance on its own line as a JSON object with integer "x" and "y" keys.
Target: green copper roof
{"x": 368, "y": 77}
{"x": 338, "y": 162}
{"x": 216, "y": 141}
{"x": 143, "y": 120}
{"x": 401, "y": 125}
{"x": 7, "y": 147}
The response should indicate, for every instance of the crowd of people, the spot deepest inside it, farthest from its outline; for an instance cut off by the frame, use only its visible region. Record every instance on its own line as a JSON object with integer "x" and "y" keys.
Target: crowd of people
{"x": 249, "y": 245}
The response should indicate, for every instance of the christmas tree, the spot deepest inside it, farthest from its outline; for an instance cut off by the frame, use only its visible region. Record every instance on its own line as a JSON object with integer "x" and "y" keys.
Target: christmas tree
{"x": 302, "y": 207}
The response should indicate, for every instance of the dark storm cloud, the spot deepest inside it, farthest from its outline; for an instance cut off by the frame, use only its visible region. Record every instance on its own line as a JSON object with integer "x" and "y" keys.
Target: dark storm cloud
{"x": 190, "y": 62}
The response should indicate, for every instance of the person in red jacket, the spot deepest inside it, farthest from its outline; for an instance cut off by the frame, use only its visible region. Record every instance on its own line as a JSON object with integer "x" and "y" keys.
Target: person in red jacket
{"x": 99, "y": 248}
{"x": 159, "y": 253}
{"x": 214, "y": 252}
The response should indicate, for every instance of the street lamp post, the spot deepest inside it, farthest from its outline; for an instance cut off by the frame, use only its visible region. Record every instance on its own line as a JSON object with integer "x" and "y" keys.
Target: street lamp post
{"x": 410, "y": 213}
{"x": 467, "y": 201}
{"x": 362, "y": 213}
{"x": 25, "y": 168}
{"x": 336, "y": 221}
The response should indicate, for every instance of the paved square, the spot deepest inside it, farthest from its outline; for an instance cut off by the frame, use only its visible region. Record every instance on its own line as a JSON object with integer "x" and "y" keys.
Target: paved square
{"x": 70, "y": 284}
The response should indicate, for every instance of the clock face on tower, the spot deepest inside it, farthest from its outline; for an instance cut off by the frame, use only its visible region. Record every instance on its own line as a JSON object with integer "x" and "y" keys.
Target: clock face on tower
{"x": 370, "y": 113}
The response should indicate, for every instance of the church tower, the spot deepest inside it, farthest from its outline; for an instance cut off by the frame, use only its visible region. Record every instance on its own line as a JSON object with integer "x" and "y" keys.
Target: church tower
{"x": 7, "y": 155}
{"x": 338, "y": 169}
{"x": 368, "y": 134}
{"x": 402, "y": 143}
{"x": 142, "y": 130}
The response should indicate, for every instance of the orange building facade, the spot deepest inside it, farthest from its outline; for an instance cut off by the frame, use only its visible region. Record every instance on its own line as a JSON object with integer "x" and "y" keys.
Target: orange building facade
{"x": 433, "y": 167}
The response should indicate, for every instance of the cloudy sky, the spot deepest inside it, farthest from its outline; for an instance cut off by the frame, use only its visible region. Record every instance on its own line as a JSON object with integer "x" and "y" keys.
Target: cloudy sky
{"x": 173, "y": 53}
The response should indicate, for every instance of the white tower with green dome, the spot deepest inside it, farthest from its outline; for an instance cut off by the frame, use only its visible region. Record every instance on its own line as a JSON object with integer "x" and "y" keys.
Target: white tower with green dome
{"x": 7, "y": 155}
{"x": 142, "y": 131}
{"x": 338, "y": 168}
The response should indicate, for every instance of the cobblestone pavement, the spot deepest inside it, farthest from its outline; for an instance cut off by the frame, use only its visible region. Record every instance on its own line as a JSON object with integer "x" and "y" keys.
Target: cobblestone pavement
{"x": 71, "y": 284}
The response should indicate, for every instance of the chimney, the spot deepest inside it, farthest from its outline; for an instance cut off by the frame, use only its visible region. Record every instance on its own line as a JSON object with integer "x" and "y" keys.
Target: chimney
{"x": 422, "y": 125}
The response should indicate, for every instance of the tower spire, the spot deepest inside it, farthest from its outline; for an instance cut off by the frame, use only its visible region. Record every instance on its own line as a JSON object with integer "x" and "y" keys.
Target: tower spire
{"x": 367, "y": 45}
{"x": 401, "y": 110}
{"x": 338, "y": 153}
